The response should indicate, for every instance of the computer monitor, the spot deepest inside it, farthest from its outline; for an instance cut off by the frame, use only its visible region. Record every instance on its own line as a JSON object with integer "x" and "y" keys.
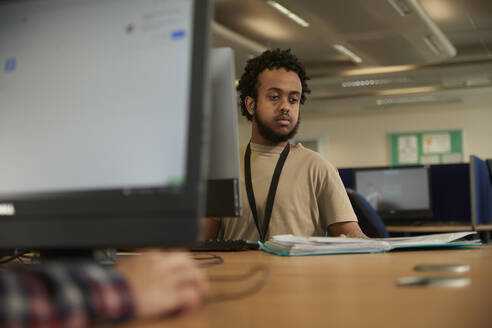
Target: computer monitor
{"x": 480, "y": 192}
{"x": 396, "y": 193}
{"x": 223, "y": 178}
{"x": 102, "y": 122}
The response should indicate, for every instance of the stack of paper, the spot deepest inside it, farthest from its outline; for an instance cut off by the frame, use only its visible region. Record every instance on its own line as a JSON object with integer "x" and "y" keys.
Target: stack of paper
{"x": 293, "y": 245}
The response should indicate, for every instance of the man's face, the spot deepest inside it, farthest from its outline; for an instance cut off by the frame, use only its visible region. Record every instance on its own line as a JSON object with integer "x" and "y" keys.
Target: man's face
{"x": 276, "y": 111}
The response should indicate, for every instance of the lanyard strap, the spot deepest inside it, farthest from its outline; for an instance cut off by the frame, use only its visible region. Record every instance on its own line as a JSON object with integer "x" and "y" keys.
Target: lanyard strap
{"x": 271, "y": 192}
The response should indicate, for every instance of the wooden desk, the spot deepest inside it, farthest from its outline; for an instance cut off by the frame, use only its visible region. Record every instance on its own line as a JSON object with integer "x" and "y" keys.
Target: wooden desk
{"x": 484, "y": 227}
{"x": 353, "y": 290}
{"x": 437, "y": 228}
{"x": 484, "y": 230}
{"x": 429, "y": 228}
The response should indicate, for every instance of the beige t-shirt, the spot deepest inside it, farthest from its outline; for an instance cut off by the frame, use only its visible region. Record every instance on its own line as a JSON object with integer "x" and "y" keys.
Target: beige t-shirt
{"x": 310, "y": 195}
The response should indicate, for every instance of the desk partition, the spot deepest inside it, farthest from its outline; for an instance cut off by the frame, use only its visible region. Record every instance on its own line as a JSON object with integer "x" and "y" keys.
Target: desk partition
{"x": 481, "y": 191}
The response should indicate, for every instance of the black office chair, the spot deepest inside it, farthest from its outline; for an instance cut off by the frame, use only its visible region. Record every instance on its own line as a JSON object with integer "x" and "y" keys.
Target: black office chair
{"x": 369, "y": 221}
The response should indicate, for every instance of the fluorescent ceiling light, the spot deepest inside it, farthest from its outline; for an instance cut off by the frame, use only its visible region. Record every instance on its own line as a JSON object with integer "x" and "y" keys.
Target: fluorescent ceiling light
{"x": 348, "y": 53}
{"x": 401, "y": 7}
{"x": 379, "y": 70}
{"x": 288, "y": 13}
{"x": 433, "y": 44}
{"x": 405, "y": 91}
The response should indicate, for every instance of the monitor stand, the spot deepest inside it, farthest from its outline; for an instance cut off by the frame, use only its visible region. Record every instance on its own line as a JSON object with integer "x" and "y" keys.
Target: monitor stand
{"x": 77, "y": 254}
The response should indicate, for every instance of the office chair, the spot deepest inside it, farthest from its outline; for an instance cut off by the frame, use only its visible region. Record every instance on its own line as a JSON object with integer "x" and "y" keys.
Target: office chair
{"x": 369, "y": 221}
{"x": 489, "y": 164}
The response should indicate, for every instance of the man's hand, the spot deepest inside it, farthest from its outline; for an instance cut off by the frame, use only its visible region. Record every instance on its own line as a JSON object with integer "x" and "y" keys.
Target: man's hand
{"x": 164, "y": 283}
{"x": 346, "y": 229}
{"x": 210, "y": 228}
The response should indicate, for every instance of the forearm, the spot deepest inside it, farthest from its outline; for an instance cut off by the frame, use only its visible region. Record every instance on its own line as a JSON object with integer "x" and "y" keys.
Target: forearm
{"x": 347, "y": 229}
{"x": 75, "y": 294}
{"x": 210, "y": 228}
{"x": 356, "y": 233}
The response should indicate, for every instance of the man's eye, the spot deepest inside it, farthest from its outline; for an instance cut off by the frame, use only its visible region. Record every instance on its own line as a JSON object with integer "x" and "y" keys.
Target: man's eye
{"x": 274, "y": 97}
{"x": 293, "y": 100}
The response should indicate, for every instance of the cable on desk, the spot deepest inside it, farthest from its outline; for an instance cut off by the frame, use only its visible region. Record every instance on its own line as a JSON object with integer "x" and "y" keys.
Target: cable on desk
{"x": 8, "y": 259}
{"x": 214, "y": 259}
{"x": 15, "y": 256}
{"x": 262, "y": 270}
{"x": 30, "y": 257}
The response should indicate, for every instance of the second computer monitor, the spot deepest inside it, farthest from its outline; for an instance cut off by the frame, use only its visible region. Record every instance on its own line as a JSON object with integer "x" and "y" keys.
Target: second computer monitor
{"x": 223, "y": 178}
{"x": 401, "y": 193}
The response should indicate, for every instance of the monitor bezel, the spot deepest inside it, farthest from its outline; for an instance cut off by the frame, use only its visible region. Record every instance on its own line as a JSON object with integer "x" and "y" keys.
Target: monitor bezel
{"x": 391, "y": 216}
{"x": 146, "y": 216}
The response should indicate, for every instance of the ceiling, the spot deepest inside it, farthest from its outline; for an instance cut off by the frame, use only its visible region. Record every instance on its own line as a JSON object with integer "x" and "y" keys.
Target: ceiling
{"x": 406, "y": 47}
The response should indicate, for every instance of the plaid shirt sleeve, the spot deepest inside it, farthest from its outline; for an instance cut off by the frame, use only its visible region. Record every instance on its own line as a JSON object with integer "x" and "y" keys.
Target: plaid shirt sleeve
{"x": 63, "y": 295}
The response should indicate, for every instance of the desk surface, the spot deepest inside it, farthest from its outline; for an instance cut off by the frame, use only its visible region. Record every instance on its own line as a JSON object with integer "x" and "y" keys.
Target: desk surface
{"x": 429, "y": 228}
{"x": 437, "y": 228}
{"x": 353, "y": 290}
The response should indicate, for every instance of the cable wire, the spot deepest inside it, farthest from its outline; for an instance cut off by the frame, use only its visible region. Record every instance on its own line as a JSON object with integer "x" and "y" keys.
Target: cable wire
{"x": 262, "y": 270}
{"x": 16, "y": 256}
{"x": 214, "y": 259}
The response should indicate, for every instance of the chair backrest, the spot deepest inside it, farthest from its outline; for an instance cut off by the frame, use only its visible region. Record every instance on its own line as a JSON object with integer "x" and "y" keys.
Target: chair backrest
{"x": 369, "y": 221}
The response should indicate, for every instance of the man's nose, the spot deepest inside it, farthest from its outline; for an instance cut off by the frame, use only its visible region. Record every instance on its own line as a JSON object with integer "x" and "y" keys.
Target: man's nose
{"x": 285, "y": 105}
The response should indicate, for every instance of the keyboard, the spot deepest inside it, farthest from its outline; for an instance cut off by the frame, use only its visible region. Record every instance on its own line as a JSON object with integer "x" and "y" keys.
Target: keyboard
{"x": 224, "y": 246}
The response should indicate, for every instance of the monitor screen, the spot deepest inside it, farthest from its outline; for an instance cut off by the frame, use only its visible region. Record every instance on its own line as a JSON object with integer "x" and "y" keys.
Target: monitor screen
{"x": 396, "y": 193}
{"x": 223, "y": 178}
{"x": 101, "y": 121}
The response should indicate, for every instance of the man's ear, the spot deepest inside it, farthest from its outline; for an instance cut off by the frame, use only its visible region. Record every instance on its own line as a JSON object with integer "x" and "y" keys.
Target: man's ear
{"x": 250, "y": 105}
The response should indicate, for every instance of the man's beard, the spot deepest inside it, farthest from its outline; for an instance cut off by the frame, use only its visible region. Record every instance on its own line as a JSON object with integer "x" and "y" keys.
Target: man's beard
{"x": 270, "y": 134}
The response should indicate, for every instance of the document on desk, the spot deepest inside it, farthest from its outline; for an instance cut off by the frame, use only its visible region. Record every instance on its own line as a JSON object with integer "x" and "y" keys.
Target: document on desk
{"x": 290, "y": 245}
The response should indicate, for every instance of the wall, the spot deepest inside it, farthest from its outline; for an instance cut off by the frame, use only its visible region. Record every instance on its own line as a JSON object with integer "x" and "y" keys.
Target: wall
{"x": 362, "y": 139}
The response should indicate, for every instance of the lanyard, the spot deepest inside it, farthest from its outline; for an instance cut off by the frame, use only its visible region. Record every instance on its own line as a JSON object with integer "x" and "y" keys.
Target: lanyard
{"x": 271, "y": 192}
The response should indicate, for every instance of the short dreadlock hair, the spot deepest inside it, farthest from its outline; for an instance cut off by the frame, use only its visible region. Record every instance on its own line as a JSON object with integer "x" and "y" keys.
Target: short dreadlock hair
{"x": 270, "y": 59}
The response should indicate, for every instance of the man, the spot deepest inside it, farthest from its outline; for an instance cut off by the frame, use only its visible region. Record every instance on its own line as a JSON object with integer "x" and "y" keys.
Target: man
{"x": 81, "y": 294}
{"x": 291, "y": 189}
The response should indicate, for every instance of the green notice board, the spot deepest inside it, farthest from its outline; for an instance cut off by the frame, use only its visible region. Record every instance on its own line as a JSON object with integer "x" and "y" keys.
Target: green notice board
{"x": 427, "y": 147}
